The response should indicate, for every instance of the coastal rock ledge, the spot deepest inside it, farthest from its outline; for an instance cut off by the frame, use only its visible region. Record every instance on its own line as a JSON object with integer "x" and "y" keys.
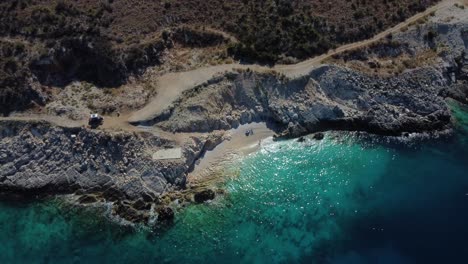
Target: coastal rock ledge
{"x": 39, "y": 159}
{"x": 393, "y": 87}
{"x": 328, "y": 98}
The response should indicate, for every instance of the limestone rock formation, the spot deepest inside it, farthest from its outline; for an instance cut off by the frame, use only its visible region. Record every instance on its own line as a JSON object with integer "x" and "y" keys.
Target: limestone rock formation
{"x": 330, "y": 97}
{"x": 41, "y": 159}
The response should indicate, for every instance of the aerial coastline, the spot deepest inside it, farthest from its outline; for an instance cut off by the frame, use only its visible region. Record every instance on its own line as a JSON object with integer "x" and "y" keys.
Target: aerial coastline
{"x": 367, "y": 86}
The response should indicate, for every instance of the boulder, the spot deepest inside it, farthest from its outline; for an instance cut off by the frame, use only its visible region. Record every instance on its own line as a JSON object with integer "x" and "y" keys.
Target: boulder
{"x": 318, "y": 136}
{"x": 141, "y": 205}
{"x": 204, "y": 196}
{"x": 301, "y": 139}
{"x": 88, "y": 199}
{"x": 165, "y": 214}
{"x": 127, "y": 212}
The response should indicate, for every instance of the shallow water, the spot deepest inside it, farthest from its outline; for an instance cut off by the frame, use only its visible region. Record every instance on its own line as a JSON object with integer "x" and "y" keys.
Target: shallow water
{"x": 341, "y": 200}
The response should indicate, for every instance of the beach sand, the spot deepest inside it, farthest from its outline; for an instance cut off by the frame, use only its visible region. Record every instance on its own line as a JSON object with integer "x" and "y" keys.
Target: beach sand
{"x": 236, "y": 144}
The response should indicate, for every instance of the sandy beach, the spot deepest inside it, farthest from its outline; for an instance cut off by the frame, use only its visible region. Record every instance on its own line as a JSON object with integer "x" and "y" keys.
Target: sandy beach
{"x": 236, "y": 144}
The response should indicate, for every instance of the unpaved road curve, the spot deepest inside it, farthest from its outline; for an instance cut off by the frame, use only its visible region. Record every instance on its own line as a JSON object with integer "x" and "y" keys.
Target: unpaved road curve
{"x": 304, "y": 67}
{"x": 171, "y": 85}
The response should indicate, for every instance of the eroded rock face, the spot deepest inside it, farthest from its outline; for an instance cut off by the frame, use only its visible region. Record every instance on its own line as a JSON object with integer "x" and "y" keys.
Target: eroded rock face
{"x": 408, "y": 97}
{"x": 40, "y": 159}
{"x": 330, "y": 97}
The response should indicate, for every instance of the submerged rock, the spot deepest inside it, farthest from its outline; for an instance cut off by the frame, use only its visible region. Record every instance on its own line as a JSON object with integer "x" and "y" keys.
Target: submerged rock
{"x": 204, "y": 196}
{"x": 127, "y": 212}
{"x": 301, "y": 139}
{"x": 318, "y": 136}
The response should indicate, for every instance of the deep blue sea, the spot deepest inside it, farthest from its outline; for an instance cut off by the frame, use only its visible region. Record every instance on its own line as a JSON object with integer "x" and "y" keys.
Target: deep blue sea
{"x": 345, "y": 199}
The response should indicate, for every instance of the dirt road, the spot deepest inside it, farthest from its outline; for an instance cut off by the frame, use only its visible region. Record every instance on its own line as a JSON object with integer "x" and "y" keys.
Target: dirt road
{"x": 304, "y": 67}
{"x": 173, "y": 84}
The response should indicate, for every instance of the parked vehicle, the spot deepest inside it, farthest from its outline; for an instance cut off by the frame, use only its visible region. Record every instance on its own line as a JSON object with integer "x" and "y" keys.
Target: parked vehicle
{"x": 95, "y": 120}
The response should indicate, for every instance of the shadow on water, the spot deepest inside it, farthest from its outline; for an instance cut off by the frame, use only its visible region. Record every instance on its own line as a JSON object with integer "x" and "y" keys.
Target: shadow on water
{"x": 421, "y": 213}
{"x": 420, "y": 220}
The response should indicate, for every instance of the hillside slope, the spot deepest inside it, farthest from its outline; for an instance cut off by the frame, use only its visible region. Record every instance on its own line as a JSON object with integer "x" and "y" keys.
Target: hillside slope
{"x": 49, "y": 43}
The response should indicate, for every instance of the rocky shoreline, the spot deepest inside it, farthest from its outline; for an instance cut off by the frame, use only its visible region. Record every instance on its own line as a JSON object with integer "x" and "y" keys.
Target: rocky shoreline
{"x": 37, "y": 158}
{"x": 329, "y": 98}
{"x": 394, "y": 87}
{"x": 41, "y": 159}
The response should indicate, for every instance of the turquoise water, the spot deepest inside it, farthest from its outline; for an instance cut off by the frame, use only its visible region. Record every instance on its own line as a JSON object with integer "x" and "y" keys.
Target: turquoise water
{"x": 346, "y": 199}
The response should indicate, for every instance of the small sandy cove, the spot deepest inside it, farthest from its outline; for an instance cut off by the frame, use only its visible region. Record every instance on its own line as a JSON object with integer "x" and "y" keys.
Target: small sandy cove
{"x": 236, "y": 144}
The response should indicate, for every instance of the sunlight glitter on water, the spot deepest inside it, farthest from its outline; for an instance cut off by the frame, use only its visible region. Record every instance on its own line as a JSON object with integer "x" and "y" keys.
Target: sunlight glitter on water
{"x": 339, "y": 200}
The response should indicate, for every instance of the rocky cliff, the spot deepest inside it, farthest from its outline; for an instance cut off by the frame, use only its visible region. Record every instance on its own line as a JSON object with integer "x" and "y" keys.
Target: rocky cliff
{"x": 391, "y": 87}
{"x": 330, "y": 97}
{"x": 41, "y": 159}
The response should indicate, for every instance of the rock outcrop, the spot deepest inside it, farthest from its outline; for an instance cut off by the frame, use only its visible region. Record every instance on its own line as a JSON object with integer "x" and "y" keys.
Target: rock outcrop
{"x": 40, "y": 159}
{"x": 204, "y": 196}
{"x": 37, "y": 158}
{"x": 330, "y": 97}
{"x": 407, "y": 97}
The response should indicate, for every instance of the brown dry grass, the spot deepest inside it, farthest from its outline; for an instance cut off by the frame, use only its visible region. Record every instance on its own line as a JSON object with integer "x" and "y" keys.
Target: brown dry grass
{"x": 388, "y": 65}
{"x": 295, "y": 28}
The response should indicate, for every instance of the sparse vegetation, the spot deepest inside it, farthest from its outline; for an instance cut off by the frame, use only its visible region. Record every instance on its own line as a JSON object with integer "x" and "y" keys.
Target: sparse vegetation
{"x": 386, "y": 58}
{"x": 14, "y": 76}
{"x": 267, "y": 30}
{"x": 103, "y": 42}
